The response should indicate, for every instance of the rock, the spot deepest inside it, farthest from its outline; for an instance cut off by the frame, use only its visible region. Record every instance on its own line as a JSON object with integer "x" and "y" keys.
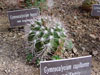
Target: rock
{"x": 73, "y": 34}
{"x": 75, "y": 50}
{"x": 19, "y": 34}
{"x": 93, "y": 36}
{"x": 10, "y": 34}
{"x": 72, "y": 40}
{"x": 16, "y": 54}
{"x": 93, "y": 41}
{"x": 4, "y": 39}
{"x": 98, "y": 58}
{"x": 15, "y": 36}
{"x": 66, "y": 54}
{"x": 50, "y": 3}
{"x": 83, "y": 48}
{"x": 95, "y": 53}
{"x": 24, "y": 36}
{"x": 7, "y": 71}
{"x": 75, "y": 17}
{"x": 71, "y": 55}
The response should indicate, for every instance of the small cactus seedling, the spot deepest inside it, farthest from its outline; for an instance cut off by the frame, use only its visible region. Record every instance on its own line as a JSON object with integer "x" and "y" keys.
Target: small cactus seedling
{"x": 87, "y": 4}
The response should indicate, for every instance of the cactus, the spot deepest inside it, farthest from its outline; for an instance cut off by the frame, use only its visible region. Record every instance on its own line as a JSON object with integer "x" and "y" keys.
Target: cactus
{"x": 47, "y": 40}
{"x": 41, "y": 4}
{"x": 87, "y": 4}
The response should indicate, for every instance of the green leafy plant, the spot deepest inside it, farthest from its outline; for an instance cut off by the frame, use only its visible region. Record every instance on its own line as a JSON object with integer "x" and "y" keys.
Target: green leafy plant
{"x": 36, "y": 3}
{"x": 89, "y": 2}
{"x": 37, "y": 62}
{"x": 28, "y": 3}
{"x": 29, "y": 57}
{"x": 56, "y": 57}
{"x": 47, "y": 41}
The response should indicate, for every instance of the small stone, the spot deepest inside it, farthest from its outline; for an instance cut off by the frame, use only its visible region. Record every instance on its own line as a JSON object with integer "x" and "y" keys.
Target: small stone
{"x": 98, "y": 58}
{"x": 73, "y": 34}
{"x": 4, "y": 39}
{"x": 7, "y": 71}
{"x": 83, "y": 48}
{"x": 24, "y": 36}
{"x": 15, "y": 36}
{"x": 50, "y": 3}
{"x": 16, "y": 54}
{"x": 75, "y": 17}
{"x": 95, "y": 53}
{"x": 93, "y": 36}
{"x": 66, "y": 54}
{"x": 72, "y": 40}
{"x": 71, "y": 55}
{"x": 3, "y": 63}
{"x": 74, "y": 50}
{"x": 93, "y": 41}
{"x": 19, "y": 34}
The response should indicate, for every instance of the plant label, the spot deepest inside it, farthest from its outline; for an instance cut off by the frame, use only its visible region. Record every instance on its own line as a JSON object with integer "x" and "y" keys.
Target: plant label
{"x": 95, "y": 10}
{"x": 22, "y": 17}
{"x": 73, "y": 66}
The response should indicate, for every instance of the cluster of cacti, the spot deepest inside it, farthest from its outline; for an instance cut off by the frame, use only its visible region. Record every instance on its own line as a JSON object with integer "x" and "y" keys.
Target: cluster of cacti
{"x": 29, "y": 3}
{"x": 47, "y": 40}
{"x": 87, "y": 4}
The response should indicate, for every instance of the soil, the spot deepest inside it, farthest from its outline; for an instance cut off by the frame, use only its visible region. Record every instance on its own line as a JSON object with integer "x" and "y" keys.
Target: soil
{"x": 84, "y": 31}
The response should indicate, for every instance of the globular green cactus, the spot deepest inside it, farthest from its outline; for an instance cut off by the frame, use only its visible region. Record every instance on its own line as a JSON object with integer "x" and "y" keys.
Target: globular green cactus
{"x": 46, "y": 40}
{"x": 87, "y": 4}
{"x": 41, "y": 4}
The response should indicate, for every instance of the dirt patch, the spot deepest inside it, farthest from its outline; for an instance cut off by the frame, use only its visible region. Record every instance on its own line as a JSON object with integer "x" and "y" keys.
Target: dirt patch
{"x": 83, "y": 28}
{"x": 13, "y": 52}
